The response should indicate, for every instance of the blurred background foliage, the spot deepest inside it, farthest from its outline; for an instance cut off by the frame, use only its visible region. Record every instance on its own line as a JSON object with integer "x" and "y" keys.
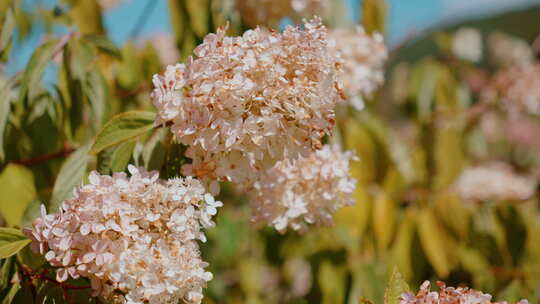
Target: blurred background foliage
{"x": 413, "y": 139}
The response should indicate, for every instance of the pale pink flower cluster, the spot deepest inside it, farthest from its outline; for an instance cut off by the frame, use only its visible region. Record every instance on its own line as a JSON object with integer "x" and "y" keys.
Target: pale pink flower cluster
{"x": 493, "y": 181}
{"x": 448, "y": 295}
{"x": 363, "y": 57}
{"x": 517, "y": 89}
{"x": 270, "y": 12}
{"x": 244, "y": 103}
{"x": 134, "y": 237}
{"x": 306, "y": 191}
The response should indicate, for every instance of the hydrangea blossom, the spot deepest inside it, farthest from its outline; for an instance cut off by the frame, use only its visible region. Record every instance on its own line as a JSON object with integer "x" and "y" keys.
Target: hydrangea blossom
{"x": 134, "y": 237}
{"x": 306, "y": 191}
{"x": 467, "y": 44}
{"x": 244, "y": 103}
{"x": 494, "y": 181}
{"x": 517, "y": 89}
{"x": 448, "y": 295}
{"x": 363, "y": 58}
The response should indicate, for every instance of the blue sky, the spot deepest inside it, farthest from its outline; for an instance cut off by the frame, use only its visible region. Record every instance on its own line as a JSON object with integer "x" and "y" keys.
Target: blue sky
{"x": 405, "y": 17}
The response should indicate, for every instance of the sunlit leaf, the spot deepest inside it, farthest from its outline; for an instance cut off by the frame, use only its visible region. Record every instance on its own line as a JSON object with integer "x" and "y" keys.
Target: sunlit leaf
{"x": 121, "y": 156}
{"x": 87, "y": 15}
{"x": 6, "y": 88}
{"x": 198, "y": 11}
{"x": 402, "y": 249}
{"x": 11, "y": 241}
{"x": 6, "y": 32}
{"x": 70, "y": 175}
{"x": 396, "y": 287}
{"x": 33, "y": 72}
{"x": 374, "y": 15}
{"x": 123, "y": 127}
{"x": 18, "y": 191}
{"x": 331, "y": 280}
{"x": 384, "y": 220}
{"x": 103, "y": 44}
{"x": 438, "y": 246}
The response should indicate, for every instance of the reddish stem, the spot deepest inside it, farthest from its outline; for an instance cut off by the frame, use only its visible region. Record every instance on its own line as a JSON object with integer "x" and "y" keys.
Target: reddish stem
{"x": 65, "y": 151}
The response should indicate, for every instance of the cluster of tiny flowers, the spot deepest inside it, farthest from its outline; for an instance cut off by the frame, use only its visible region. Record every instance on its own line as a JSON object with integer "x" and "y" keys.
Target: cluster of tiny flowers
{"x": 305, "y": 191}
{"x": 507, "y": 50}
{"x": 270, "y": 12}
{"x": 517, "y": 89}
{"x": 246, "y": 102}
{"x": 448, "y": 295}
{"x": 467, "y": 44}
{"x": 134, "y": 237}
{"x": 363, "y": 58}
{"x": 495, "y": 181}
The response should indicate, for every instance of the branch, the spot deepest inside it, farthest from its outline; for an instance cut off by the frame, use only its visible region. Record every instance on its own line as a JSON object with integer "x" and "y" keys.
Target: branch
{"x": 65, "y": 151}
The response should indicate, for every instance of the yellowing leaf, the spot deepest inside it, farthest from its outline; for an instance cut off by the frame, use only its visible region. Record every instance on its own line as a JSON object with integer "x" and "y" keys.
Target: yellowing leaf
{"x": 374, "y": 15}
{"x": 459, "y": 218}
{"x": 437, "y": 244}
{"x": 402, "y": 250}
{"x": 199, "y": 16}
{"x": 18, "y": 191}
{"x": 331, "y": 279}
{"x": 384, "y": 220}
{"x": 356, "y": 217}
{"x": 358, "y": 139}
{"x": 449, "y": 156}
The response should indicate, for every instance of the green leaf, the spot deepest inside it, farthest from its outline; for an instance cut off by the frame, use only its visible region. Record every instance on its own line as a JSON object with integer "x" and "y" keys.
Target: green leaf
{"x": 122, "y": 155}
{"x": 123, "y": 127}
{"x": 8, "y": 270}
{"x": 103, "y": 44}
{"x": 95, "y": 87}
{"x": 6, "y": 33}
{"x": 331, "y": 279}
{"x": 71, "y": 174}
{"x": 23, "y": 296}
{"x": 18, "y": 191}
{"x": 11, "y": 294}
{"x": 11, "y": 241}
{"x": 31, "y": 259}
{"x": 31, "y": 213}
{"x": 396, "y": 287}
{"x": 5, "y": 106}
{"x": 374, "y": 15}
{"x": 34, "y": 71}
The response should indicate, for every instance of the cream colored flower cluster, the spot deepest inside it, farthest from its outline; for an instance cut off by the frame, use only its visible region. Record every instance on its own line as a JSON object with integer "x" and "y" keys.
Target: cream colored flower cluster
{"x": 363, "y": 58}
{"x": 494, "y": 181}
{"x": 518, "y": 89}
{"x": 244, "y": 103}
{"x": 448, "y": 295}
{"x": 134, "y": 237}
{"x": 270, "y": 12}
{"x": 307, "y": 191}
